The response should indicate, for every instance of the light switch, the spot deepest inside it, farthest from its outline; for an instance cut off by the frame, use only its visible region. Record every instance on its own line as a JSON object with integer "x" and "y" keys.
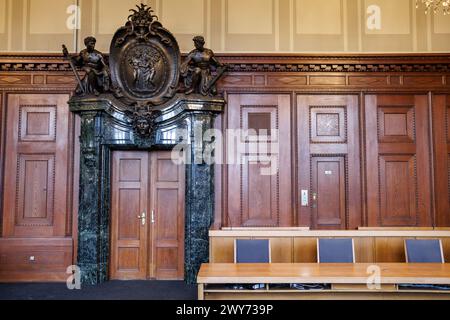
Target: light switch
{"x": 305, "y": 198}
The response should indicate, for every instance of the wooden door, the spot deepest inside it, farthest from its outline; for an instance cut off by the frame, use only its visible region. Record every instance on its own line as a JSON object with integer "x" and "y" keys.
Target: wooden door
{"x": 259, "y": 196}
{"x": 398, "y": 161}
{"x": 36, "y": 181}
{"x": 328, "y": 161}
{"x": 147, "y": 211}
{"x": 129, "y": 199}
{"x": 167, "y": 205}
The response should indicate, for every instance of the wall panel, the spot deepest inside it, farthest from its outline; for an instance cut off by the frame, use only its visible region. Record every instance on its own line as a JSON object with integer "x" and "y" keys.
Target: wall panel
{"x": 398, "y": 161}
{"x": 234, "y": 25}
{"x": 4, "y": 24}
{"x": 259, "y": 184}
{"x": 441, "y": 134}
{"x": 36, "y": 187}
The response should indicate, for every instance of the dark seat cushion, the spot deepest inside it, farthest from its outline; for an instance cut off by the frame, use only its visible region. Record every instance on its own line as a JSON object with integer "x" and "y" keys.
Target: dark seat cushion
{"x": 336, "y": 251}
{"x": 424, "y": 251}
{"x": 252, "y": 251}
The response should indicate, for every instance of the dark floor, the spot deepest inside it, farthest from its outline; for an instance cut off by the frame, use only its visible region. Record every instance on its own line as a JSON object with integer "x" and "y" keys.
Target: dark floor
{"x": 113, "y": 290}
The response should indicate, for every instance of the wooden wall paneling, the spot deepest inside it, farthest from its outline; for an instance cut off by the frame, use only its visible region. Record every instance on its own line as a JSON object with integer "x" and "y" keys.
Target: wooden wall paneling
{"x": 364, "y": 249}
{"x": 441, "y": 143}
{"x": 328, "y": 161}
{"x": 2, "y": 145}
{"x": 398, "y": 160}
{"x": 41, "y": 260}
{"x": 218, "y": 180}
{"x": 35, "y": 196}
{"x": 281, "y": 250}
{"x": 362, "y": 135}
{"x": 221, "y": 250}
{"x": 305, "y": 250}
{"x": 446, "y": 249}
{"x": 76, "y": 184}
{"x": 254, "y": 198}
{"x": 390, "y": 250}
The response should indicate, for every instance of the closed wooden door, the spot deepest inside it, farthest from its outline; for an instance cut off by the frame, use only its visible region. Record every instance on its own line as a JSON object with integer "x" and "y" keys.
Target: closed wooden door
{"x": 398, "y": 161}
{"x": 167, "y": 205}
{"x": 328, "y": 162}
{"x": 147, "y": 227}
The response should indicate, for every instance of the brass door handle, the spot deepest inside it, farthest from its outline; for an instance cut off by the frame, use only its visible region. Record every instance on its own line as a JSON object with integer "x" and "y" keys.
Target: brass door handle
{"x": 153, "y": 216}
{"x": 143, "y": 218}
{"x": 314, "y": 196}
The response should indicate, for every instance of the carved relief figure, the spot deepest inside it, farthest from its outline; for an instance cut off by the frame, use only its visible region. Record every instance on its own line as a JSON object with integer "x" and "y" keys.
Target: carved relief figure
{"x": 143, "y": 121}
{"x": 97, "y": 78}
{"x": 196, "y": 69}
{"x": 144, "y": 63}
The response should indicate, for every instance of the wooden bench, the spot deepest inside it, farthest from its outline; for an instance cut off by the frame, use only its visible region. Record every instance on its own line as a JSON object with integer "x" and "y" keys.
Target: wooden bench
{"x": 385, "y": 245}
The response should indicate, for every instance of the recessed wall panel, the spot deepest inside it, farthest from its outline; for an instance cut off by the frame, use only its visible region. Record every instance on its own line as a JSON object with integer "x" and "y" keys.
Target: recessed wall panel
{"x": 250, "y": 16}
{"x": 310, "y": 12}
{"x": 183, "y": 17}
{"x": 395, "y": 16}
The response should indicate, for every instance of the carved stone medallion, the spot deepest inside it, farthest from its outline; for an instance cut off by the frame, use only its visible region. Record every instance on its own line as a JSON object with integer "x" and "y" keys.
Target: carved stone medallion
{"x": 145, "y": 59}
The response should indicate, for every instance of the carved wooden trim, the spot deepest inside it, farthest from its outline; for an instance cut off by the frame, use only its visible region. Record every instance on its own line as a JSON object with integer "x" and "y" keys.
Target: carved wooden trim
{"x": 345, "y": 124}
{"x": 357, "y": 63}
{"x": 54, "y": 124}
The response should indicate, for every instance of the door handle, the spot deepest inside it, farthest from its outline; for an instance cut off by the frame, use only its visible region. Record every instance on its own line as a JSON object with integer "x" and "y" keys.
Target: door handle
{"x": 153, "y": 216}
{"x": 314, "y": 197}
{"x": 143, "y": 218}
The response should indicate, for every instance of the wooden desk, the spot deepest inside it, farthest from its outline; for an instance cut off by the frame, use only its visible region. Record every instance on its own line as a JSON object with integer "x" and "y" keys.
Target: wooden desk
{"x": 348, "y": 281}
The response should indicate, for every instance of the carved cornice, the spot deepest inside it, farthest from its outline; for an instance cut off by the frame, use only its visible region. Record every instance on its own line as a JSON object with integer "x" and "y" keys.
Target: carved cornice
{"x": 432, "y": 63}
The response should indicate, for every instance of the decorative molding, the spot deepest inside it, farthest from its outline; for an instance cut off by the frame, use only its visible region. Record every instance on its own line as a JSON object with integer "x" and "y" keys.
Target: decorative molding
{"x": 245, "y": 63}
{"x": 342, "y": 138}
{"x": 54, "y": 117}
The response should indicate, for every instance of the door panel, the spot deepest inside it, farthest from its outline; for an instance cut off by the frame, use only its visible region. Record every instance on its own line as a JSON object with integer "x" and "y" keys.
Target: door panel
{"x": 328, "y": 180}
{"x": 36, "y": 186}
{"x": 129, "y": 200}
{"x": 167, "y": 185}
{"x": 260, "y": 190}
{"x": 398, "y": 161}
{"x": 328, "y": 161}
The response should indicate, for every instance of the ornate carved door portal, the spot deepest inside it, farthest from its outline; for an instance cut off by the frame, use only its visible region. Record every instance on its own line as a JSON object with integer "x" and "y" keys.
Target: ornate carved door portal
{"x": 138, "y": 102}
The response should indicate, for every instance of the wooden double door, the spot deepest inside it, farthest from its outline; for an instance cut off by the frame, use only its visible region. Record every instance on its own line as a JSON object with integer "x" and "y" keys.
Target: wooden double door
{"x": 147, "y": 211}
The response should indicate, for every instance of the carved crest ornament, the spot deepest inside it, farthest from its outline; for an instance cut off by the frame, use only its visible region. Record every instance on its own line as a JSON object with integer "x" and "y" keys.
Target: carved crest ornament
{"x": 145, "y": 68}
